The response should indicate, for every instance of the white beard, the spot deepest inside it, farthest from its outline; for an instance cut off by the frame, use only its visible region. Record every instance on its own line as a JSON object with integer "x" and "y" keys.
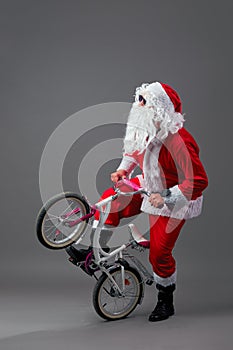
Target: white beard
{"x": 140, "y": 129}
{"x": 147, "y": 122}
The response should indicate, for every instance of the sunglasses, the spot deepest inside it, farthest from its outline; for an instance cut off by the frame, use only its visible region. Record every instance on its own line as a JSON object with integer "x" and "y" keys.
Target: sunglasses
{"x": 141, "y": 98}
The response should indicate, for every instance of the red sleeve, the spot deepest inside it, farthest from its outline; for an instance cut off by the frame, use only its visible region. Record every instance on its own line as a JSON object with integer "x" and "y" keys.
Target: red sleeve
{"x": 138, "y": 157}
{"x": 133, "y": 155}
{"x": 190, "y": 170}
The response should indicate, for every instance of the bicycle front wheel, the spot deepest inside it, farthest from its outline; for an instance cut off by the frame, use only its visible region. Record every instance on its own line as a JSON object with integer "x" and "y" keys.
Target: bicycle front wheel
{"x": 111, "y": 304}
{"x": 58, "y": 224}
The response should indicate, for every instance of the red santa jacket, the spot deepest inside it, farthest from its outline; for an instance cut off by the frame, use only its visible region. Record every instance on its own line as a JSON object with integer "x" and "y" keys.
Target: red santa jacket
{"x": 172, "y": 164}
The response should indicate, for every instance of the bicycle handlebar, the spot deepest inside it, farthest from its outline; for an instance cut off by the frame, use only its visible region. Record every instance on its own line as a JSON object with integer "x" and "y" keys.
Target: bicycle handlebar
{"x": 137, "y": 189}
{"x": 121, "y": 193}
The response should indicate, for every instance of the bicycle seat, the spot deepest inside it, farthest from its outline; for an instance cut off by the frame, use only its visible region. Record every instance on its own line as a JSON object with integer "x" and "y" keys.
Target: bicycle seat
{"x": 138, "y": 237}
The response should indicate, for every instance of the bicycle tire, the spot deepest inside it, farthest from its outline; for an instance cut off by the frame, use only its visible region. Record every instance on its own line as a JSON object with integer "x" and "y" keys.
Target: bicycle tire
{"x": 45, "y": 214}
{"x": 102, "y": 302}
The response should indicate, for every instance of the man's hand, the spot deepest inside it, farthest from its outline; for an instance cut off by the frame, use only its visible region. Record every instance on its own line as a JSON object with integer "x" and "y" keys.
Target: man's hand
{"x": 156, "y": 200}
{"x": 118, "y": 175}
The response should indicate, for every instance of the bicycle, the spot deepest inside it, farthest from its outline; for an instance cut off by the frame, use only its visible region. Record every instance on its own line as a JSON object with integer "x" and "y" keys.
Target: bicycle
{"x": 62, "y": 221}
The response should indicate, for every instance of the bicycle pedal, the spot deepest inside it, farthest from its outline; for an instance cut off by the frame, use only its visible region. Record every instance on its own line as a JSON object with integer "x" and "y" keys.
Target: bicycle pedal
{"x": 137, "y": 237}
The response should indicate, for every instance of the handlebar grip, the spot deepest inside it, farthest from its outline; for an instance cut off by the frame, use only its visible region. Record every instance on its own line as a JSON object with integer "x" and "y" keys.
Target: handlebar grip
{"x": 134, "y": 187}
{"x": 128, "y": 183}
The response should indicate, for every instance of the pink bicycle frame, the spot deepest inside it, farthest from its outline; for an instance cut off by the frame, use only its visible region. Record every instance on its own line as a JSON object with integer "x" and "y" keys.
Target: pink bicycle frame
{"x": 93, "y": 208}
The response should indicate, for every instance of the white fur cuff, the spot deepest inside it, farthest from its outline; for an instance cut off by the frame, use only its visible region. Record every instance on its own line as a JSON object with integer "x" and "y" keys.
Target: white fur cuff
{"x": 176, "y": 197}
{"x": 128, "y": 163}
{"x": 165, "y": 281}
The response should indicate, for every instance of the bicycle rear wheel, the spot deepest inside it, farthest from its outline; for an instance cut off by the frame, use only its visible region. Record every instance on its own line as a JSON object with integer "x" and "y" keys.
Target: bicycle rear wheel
{"x": 109, "y": 303}
{"x": 58, "y": 224}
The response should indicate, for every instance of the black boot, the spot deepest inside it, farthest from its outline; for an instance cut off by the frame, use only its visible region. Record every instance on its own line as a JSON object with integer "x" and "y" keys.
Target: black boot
{"x": 164, "y": 307}
{"x": 80, "y": 255}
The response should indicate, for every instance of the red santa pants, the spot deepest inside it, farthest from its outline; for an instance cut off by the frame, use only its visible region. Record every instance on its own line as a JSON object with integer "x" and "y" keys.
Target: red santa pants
{"x": 164, "y": 231}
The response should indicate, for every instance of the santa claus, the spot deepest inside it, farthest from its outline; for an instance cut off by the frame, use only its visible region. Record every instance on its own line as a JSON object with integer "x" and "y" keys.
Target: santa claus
{"x": 168, "y": 156}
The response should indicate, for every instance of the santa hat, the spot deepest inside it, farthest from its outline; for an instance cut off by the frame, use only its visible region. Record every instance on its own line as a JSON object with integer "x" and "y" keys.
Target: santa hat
{"x": 166, "y": 103}
{"x": 174, "y": 97}
{"x": 158, "y": 89}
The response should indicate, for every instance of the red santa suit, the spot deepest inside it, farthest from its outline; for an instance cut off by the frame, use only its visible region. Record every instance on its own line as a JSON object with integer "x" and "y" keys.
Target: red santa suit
{"x": 170, "y": 163}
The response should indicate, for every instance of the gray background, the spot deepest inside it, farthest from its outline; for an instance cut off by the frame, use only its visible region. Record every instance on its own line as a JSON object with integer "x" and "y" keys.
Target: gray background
{"x": 58, "y": 57}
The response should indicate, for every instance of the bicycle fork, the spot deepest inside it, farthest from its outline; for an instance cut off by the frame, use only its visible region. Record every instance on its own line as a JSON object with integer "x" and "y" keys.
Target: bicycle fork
{"x": 108, "y": 273}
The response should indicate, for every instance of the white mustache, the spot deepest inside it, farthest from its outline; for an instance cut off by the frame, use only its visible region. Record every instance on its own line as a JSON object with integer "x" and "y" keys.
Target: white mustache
{"x": 140, "y": 129}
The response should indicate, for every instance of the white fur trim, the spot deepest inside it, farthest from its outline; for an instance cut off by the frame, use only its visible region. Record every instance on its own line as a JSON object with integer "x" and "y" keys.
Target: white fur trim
{"x": 194, "y": 208}
{"x": 152, "y": 177}
{"x": 176, "y": 197}
{"x": 128, "y": 163}
{"x": 190, "y": 210}
{"x": 157, "y": 89}
{"x": 165, "y": 281}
